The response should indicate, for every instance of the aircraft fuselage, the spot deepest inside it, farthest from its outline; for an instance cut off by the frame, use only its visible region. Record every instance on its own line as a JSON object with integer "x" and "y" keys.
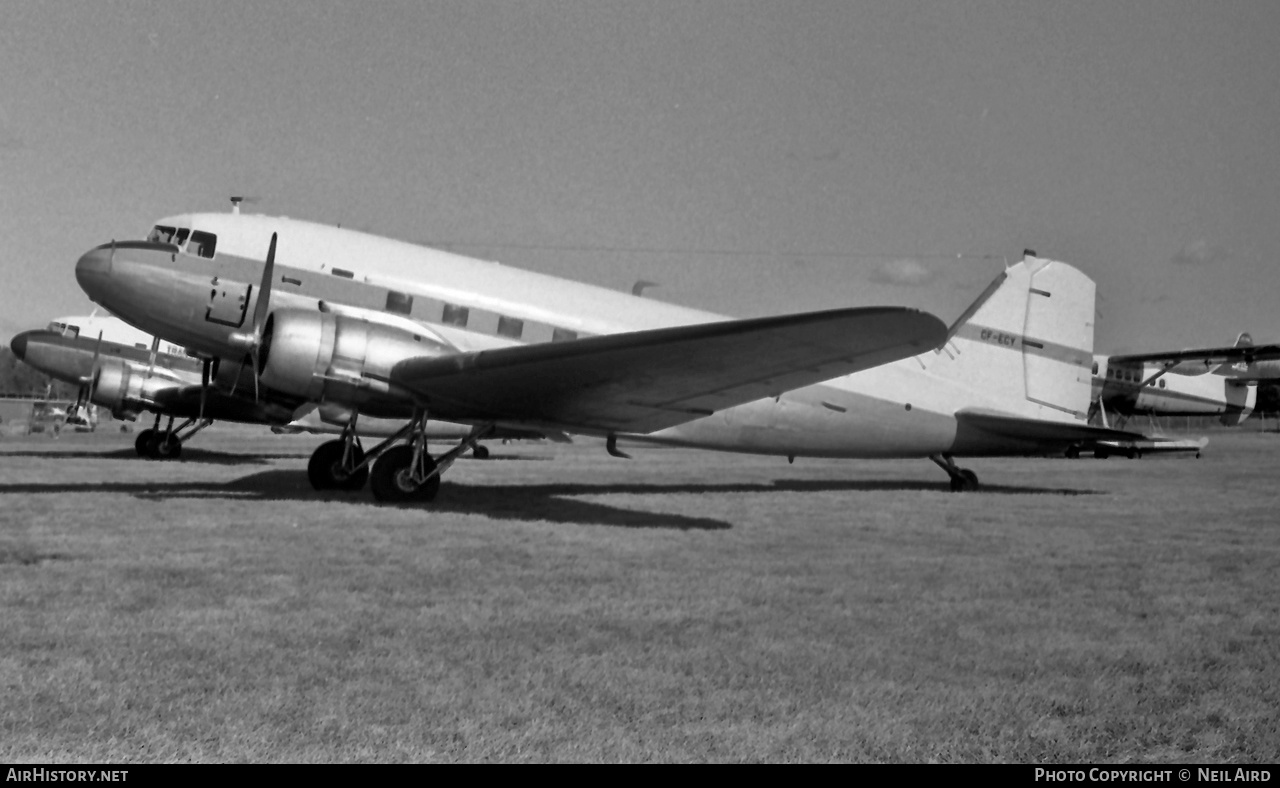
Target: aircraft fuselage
{"x": 205, "y": 298}
{"x": 1129, "y": 389}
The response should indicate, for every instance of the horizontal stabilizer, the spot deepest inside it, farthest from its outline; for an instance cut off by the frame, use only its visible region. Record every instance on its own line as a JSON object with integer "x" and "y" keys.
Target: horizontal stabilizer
{"x": 643, "y": 381}
{"x": 1039, "y": 430}
{"x": 1155, "y": 445}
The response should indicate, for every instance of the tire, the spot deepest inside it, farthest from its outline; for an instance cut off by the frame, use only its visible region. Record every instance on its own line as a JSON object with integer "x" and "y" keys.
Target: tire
{"x": 389, "y": 478}
{"x": 167, "y": 449}
{"x": 140, "y": 443}
{"x": 324, "y": 469}
{"x": 967, "y": 481}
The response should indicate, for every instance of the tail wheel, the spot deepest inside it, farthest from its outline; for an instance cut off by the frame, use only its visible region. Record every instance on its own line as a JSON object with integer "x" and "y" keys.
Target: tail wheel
{"x": 325, "y": 471}
{"x": 392, "y": 479}
{"x": 965, "y": 481}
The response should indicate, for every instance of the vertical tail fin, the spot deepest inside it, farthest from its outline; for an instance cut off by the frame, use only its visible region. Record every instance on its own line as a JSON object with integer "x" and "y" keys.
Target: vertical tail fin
{"x": 1025, "y": 347}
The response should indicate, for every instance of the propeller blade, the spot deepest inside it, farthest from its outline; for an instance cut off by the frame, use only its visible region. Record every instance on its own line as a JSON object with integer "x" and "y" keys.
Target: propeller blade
{"x": 253, "y": 340}
{"x": 261, "y": 308}
{"x": 155, "y": 347}
{"x": 93, "y": 369}
{"x": 205, "y": 367}
{"x": 235, "y": 382}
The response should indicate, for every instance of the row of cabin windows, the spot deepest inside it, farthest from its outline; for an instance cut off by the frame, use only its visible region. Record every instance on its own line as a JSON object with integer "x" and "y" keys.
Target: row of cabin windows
{"x": 456, "y": 315}
{"x": 1129, "y": 376}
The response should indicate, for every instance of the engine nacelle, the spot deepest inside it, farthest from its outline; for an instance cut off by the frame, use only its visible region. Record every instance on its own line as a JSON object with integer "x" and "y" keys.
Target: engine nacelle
{"x": 124, "y": 390}
{"x": 323, "y": 356}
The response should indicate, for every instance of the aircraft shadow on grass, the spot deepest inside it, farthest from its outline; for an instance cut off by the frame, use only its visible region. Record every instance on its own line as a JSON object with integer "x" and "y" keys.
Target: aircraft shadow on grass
{"x": 555, "y": 502}
{"x": 209, "y": 457}
{"x": 188, "y": 455}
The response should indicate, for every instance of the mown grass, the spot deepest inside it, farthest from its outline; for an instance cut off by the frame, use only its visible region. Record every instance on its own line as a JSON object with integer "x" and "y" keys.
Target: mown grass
{"x": 560, "y": 605}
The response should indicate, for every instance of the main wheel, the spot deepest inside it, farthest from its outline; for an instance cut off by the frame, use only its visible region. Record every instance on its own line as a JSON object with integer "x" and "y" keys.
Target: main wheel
{"x": 325, "y": 472}
{"x": 166, "y": 448}
{"x": 391, "y": 478}
{"x": 140, "y": 444}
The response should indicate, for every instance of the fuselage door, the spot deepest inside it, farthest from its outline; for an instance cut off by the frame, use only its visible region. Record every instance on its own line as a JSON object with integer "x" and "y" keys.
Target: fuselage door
{"x": 228, "y": 302}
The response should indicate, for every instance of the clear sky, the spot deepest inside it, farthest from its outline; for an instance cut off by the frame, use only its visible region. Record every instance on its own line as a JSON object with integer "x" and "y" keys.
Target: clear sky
{"x": 750, "y": 157}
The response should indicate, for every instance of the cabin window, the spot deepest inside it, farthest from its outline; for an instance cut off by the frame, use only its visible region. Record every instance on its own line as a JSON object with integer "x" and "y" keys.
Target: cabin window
{"x": 202, "y": 244}
{"x": 563, "y": 335}
{"x": 454, "y": 315}
{"x": 400, "y": 303}
{"x": 344, "y": 273}
{"x": 1095, "y": 367}
{"x": 510, "y": 327}
{"x": 1161, "y": 382}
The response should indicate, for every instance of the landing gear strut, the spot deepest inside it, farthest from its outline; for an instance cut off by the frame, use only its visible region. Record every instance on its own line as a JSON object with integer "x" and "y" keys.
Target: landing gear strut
{"x": 396, "y": 473}
{"x": 407, "y": 473}
{"x": 962, "y": 479}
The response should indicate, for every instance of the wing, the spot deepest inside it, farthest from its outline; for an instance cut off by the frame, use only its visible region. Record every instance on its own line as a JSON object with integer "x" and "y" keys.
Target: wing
{"x": 1202, "y": 359}
{"x": 649, "y": 380}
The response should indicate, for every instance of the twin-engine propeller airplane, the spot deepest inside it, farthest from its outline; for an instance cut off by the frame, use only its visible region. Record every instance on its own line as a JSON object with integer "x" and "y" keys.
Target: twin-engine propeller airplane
{"x": 393, "y": 330}
{"x": 1219, "y": 381}
{"x": 130, "y": 372}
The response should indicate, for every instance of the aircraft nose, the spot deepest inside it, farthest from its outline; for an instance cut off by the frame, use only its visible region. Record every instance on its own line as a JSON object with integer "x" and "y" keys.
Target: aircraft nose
{"x": 19, "y": 344}
{"x": 94, "y": 264}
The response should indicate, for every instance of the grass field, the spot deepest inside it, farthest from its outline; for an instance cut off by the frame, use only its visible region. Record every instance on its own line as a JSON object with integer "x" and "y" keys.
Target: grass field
{"x": 557, "y": 604}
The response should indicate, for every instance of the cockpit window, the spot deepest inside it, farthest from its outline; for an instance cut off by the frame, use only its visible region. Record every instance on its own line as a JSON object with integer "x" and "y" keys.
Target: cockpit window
{"x": 65, "y": 329}
{"x": 202, "y": 244}
{"x": 161, "y": 234}
{"x": 181, "y": 237}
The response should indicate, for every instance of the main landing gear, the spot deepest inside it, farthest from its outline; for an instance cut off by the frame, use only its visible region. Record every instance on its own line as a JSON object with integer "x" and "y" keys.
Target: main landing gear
{"x": 962, "y": 479}
{"x": 396, "y": 472}
{"x": 166, "y": 444}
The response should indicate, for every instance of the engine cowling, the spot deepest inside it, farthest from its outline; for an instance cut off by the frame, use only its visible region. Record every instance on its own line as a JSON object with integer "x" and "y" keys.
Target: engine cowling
{"x": 324, "y": 356}
{"x": 124, "y": 390}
